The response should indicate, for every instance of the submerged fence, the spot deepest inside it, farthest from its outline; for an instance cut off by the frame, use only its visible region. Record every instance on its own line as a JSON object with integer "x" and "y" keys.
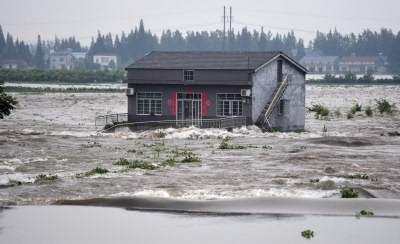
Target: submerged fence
{"x": 109, "y": 118}
{"x": 224, "y": 122}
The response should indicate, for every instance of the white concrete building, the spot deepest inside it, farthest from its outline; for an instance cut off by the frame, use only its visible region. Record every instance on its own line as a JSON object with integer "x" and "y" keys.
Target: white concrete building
{"x": 104, "y": 60}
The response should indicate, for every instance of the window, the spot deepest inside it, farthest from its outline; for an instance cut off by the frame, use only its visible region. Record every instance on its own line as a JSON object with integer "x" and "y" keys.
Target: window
{"x": 229, "y": 105}
{"x": 283, "y": 107}
{"x": 312, "y": 69}
{"x": 328, "y": 68}
{"x": 61, "y": 59}
{"x": 104, "y": 60}
{"x": 188, "y": 75}
{"x": 97, "y": 60}
{"x": 149, "y": 103}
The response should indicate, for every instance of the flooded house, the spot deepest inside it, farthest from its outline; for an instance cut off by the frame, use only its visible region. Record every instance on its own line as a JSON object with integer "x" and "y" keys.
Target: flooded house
{"x": 217, "y": 89}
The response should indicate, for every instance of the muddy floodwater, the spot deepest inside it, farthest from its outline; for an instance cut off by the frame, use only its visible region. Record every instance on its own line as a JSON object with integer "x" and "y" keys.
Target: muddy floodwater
{"x": 54, "y": 133}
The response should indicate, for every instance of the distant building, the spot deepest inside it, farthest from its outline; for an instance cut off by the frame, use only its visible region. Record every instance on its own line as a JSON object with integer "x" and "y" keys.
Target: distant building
{"x": 104, "y": 60}
{"x": 14, "y": 64}
{"x": 62, "y": 59}
{"x": 362, "y": 64}
{"x": 320, "y": 64}
{"x": 79, "y": 56}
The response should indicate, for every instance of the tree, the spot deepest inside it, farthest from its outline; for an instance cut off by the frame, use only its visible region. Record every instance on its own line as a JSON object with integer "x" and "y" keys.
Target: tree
{"x": 394, "y": 55}
{"x": 39, "y": 61}
{"x": 7, "y": 102}
{"x": 111, "y": 65}
{"x": 300, "y": 50}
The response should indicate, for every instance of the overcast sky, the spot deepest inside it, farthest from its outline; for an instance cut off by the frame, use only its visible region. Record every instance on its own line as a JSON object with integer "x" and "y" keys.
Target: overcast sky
{"x": 25, "y": 19}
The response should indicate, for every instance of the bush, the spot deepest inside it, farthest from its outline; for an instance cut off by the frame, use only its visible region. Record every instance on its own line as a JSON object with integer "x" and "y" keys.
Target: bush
{"x": 307, "y": 234}
{"x": 337, "y": 113}
{"x": 46, "y": 177}
{"x": 368, "y": 111}
{"x": 348, "y": 192}
{"x": 350, "y": 115}
{"x": 320, "y": 111}
{"x": 191, "y": 159}
{"x": 384, "y": 106}
{"x": 97, "y": 170}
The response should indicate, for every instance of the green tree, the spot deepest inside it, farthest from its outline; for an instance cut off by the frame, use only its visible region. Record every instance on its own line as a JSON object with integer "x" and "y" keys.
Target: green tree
{"x": 7, "y": 102}
{"x": 300, "y": 50}
{"x": 111, "y": 65}
{"x": 39, "y": 61}
{"x": 394, "y": 55}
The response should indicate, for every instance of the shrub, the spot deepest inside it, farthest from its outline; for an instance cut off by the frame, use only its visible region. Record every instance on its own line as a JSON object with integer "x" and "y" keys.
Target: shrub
{"x": 358, "y": 176}
{"x": 314, "y": 180}
{"x": 364, "y": 213}
{"x": 97, "y": 170}
{"x": 161, "y": 134}
{"x": 358, "y": 107}
{"x": 169, "y": 162}
{"x": 368, "y": 111}
{"x": 190, "y": 159}
{"x": 384, "y": 106}
{"x": 141, "y": 165}
{"x": 394, "y": 133}
{"x": 122, "y": 162}
{"x": 353, "y": 110}
{"x": 350, "y": 115}
{"x": 348, "y": 192}
{"x": 307, "y": 234}
{"x": 46, "y": 177}
{"x": 337, "y": 113}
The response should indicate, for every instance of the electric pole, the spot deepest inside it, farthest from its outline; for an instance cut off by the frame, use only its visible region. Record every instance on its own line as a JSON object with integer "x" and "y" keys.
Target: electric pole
{"x": 223, "y": 45}
{"x": 230, "y": 29}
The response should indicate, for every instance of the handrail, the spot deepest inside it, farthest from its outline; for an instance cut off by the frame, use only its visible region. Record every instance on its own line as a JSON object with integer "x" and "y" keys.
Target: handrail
{"x": 122, "y": 117}
{"x": 275, "y": 100}
{"x": 224, "y": 122}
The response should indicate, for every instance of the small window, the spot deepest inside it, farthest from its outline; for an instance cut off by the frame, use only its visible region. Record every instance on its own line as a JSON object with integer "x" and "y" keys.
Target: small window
{"x": 61, "y": 59}
{"x": 281, "y": 107}
{"x": 104, "y": 60}
{"x": 188, "y": 75}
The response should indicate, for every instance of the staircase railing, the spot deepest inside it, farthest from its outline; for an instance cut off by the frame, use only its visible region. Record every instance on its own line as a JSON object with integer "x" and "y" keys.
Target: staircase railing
{"x": 277, "y": 98}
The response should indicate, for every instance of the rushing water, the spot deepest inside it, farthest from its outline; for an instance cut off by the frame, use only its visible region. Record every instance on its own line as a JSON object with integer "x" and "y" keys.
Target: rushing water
{"x": 55, "y": 134}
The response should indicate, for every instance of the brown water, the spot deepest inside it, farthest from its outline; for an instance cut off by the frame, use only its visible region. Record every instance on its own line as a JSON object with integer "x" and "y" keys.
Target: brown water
{"x": 48, "y": 134}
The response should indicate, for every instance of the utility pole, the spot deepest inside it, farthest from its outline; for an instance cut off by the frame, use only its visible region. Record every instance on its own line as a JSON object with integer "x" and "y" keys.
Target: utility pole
{"x": 230, "y": 29}
{"x": 223, "y": 45}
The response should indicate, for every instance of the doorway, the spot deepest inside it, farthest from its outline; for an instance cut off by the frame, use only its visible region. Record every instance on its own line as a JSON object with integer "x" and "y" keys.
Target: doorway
{"x": 189, "y": 109}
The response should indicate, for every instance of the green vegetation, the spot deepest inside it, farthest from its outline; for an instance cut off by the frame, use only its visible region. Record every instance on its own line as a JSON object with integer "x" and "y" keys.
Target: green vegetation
{"x": 224, "y": 145}
{"x": 169, "y": 162}
{"x": 383, "y": 106}
{"x": 274, "y": 129}
{"x": 350, "y": 115}
{"x": 351, "y": 78}
{"x": 267, "y": 147}
{"x": 300, "y": 131}
{"x": 7, "y": 102}
{"x": 364, "y": 213}
{"x": 136, "y": 164}
{"x": 62, "y": 90}
{"x": 368, "y": 111}
{"x": 190, "y": 159}
{"x": 91, "y": 145}
{"x": 394, "y": 133}
{"x": 314, "y": 180}
{"x": 97, "y": 170}
{"x": 122, "y": 162}
{"x": 320, "y": 111}
{"x": 358, "y": 176}
{"x": 307, "y": 234}
{"x": 337, "y": 113}
{"x": 161, "y": 134}
{"x": 46, "y": 177}
{"x": 73, "y": 76}
{"x": 347, "y": 192}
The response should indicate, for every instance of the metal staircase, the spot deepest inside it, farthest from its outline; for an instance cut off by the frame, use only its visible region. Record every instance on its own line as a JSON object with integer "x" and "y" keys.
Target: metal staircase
{"x": 273, "y": 101}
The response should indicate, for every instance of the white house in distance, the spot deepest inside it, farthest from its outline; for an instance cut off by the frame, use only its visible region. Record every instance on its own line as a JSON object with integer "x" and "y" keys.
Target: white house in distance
{"x": 104, "y": 60}
{"x": 361, "y": 64}
{"x": 14, "y": 64}
{"x": 79, "y": 56}
{"x": 61, "y": 59}
{"x": 320, "y": 64}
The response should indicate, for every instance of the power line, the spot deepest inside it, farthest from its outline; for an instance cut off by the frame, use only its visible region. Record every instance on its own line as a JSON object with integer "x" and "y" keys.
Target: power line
{"x": 276, "y": 27}
{"x": 320, "y": 16}
{"x": 110, "y": 19}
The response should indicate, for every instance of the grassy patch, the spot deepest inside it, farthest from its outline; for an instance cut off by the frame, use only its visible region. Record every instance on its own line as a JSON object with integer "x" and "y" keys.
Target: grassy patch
{"x": 97, "y": 170}
{"x": 224, "y": 145}
{"x": 122, "y": 162}
{"x": 169, "y": 162}
{"x": 314, "y": 180}
{"x": 383, "y": 106}
{"x": 347, "y": 192}
{"x": 364, "y": 213}
{"x": 307, "y": 234}
{"x": 358, "y": 176}
{"x": 394, "y": 133}
{"x": 91, "y": 145}
{"x": 368, "y": 111}
{"x": 266, "y": 147}
{"x": 190, "y": 159}
{"x": 46, "y": 177}
{"x": 350, "y": 115}
{"x": 141, "y": 165}
{"x": 320, "y": 111}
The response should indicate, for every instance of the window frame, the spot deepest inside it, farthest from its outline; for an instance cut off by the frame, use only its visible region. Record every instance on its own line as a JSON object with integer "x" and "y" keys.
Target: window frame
{"x": 186, "y": 75}
{"x": 150, "y": 102}
{"x": 237, "y": 97}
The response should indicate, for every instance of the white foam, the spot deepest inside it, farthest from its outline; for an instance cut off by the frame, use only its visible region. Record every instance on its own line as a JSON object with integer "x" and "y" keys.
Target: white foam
{"x": 205, "y": 194}
{"x": 26, "y": 178}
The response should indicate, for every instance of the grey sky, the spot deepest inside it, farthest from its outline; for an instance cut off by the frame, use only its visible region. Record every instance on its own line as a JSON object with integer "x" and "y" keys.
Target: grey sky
{"x": 25, "y": 19}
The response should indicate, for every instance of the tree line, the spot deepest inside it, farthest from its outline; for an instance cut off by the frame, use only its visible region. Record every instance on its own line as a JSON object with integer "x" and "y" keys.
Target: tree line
{"x": 138, "y": 42}
{"x": 37, "y": 75}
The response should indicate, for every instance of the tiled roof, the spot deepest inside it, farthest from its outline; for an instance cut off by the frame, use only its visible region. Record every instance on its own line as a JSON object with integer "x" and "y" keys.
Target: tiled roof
{"x": 105, "y": 54}
{"x": 319, "y": 59}
{"x": 200, "y": 60}
{"x": 359, "y": 59}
